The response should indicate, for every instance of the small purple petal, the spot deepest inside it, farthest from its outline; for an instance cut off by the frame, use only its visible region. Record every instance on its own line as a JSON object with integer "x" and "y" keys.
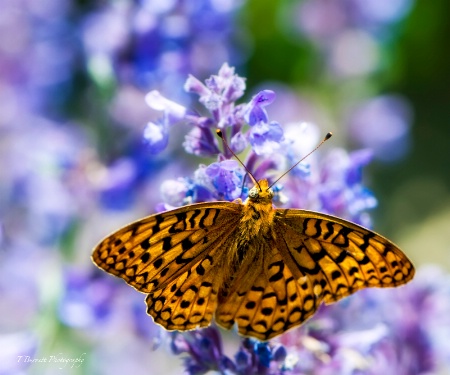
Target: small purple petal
{"x": 265, "y": 138}
{"x": 212, "y": 101}
{"x": 238, "y": 143}
{"x": 358, "y": 159}
{"x": 201, "y": 142}
{"x": 174, "y": 111}
{"x": 234, "y": 86}
{"x": 226, "y": 71}
{"x": 156, "y": 136}
{"x": 242, "y": 359}
{"x": 279, "y": 353}
{"x": 255, "y": 112}
{"x": 195, "y": 86}
{"x": 264, "y": 353}
{"x": 173, "y": 192}
{"x": 179, "y": 344}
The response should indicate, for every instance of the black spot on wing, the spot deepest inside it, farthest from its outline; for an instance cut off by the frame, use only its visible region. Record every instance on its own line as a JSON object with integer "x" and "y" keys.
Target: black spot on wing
{"x": 145, "y": 244}
{"x": 167, "y": 243}
{"x": 158, "y": 263}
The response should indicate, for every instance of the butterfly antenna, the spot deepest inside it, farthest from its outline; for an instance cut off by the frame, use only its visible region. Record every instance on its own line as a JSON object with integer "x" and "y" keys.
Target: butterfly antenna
{"x": 327, "y": 137}
{"x": 220, "y": 134}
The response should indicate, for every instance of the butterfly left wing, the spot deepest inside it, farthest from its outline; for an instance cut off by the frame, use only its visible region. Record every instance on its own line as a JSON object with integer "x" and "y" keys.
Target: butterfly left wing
{"x": 176, "y": 257}
{"x": 190, "y": 300}
{"x": 339, "y": 257}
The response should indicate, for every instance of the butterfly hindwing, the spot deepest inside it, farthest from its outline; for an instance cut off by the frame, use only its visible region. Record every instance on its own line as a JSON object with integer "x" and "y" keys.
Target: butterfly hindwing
{"x": 269, "y": 300}
{"x": 190, "y": 300}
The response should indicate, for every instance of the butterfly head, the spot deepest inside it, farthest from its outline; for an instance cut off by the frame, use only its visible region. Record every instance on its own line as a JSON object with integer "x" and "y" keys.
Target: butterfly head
{"x": 261, "y": 192}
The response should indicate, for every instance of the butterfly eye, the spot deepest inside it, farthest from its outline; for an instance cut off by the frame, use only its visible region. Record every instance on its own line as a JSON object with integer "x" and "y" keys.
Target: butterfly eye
{"x": 253, "y": 193}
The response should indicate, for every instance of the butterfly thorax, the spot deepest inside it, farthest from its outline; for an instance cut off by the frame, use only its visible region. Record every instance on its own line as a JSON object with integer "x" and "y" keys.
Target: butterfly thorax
{"x": 255, "y": 226}
{"x": 258, "y": 212}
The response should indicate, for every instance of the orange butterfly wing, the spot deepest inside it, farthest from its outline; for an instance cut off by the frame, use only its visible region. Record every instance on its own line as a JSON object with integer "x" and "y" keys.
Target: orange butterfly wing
{"x": 313, "y": 258}
{"x": 176, "y": 257}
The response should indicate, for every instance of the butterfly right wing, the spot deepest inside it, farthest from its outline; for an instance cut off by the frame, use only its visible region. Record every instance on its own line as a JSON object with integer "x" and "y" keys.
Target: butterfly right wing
{"x": 311, "y": 258}
{"x": 335, "y": 257}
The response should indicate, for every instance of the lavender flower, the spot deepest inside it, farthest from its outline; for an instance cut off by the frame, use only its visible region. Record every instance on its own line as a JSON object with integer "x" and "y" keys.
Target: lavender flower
{"x": 205, "y": 353}
{"x": 156, "y": 43}
{"x": 204, "y": 350}
{"x": 336, "y": 187}
{"x": 218, "y": 95}
{"x": 224, "y": 179}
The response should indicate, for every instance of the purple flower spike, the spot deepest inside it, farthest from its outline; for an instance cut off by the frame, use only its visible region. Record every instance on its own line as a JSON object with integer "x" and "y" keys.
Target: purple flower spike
{"x": 204, "y": 350}
{"x": 255, "y": 112}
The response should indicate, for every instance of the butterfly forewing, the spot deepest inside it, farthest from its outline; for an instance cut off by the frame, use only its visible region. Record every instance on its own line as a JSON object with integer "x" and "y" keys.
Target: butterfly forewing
{"x": 150, "y": 253}
{"x": 346, "y": 256}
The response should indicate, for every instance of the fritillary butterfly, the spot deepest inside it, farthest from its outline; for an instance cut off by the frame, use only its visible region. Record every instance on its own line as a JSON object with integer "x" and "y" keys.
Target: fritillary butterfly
{"x": 262, "y": 268}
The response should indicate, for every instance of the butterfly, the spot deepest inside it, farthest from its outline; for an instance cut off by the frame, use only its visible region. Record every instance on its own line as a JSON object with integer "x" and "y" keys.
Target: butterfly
{"x": 248, "y": 264}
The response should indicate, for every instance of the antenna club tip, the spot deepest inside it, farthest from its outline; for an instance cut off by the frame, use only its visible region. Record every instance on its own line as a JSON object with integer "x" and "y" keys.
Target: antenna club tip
{"x": 328, "y": 136}
{"x": 219, "y": 133}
